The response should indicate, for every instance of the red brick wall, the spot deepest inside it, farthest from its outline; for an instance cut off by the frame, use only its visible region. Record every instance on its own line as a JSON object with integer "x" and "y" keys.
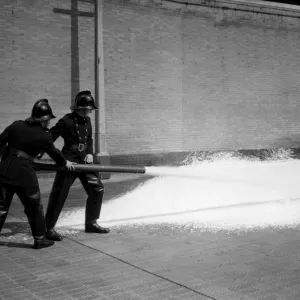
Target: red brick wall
{"x": 176, "y": 78}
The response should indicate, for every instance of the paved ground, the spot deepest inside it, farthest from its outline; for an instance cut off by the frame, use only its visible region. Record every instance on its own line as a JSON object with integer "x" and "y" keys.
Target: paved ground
{"x": 148, "y": 262}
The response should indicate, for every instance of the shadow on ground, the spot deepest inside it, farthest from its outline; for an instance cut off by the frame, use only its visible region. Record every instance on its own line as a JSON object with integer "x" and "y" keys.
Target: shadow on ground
{"x": 14, "y": 231}
{"x": 117, "y": 189}
{"x": 11, "y": 228}
{"x": 114, "y": 189}
{"x": 15, "y": 245}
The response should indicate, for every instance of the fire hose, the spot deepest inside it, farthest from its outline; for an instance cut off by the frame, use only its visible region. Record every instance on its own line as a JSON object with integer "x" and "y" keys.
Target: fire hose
{"x": 51, "y": 167}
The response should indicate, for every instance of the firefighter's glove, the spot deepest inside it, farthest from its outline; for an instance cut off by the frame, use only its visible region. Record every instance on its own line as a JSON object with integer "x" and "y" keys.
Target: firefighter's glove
{"x": 70, "y": 165}
{"x": 88, "y": 159}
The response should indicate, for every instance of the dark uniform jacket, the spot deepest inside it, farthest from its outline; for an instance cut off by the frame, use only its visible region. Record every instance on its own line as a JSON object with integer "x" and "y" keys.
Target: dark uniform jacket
{"x": 31, "y": 138}
{"x": 75, "y": 130}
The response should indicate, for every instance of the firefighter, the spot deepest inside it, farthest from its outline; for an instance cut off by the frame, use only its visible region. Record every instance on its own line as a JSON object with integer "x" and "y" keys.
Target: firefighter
{"x": 76, "y": 130}
{"x": 20, "y": 143}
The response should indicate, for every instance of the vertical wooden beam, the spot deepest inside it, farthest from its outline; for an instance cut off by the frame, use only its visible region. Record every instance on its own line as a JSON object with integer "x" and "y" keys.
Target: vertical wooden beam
{"x": 74, "y": 50}
{"x": 101, "y": 153}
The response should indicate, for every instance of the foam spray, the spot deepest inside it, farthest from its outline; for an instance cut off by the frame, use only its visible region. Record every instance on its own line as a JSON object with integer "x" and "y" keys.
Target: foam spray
{"x": 222, "y": 193}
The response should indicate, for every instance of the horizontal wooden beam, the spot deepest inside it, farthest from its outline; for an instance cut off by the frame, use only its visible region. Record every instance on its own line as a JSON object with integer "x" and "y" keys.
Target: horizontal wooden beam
{"x": 68, "y": 12}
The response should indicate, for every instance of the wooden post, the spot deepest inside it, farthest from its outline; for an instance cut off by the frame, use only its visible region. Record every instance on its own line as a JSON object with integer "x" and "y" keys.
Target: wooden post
{"x": 101, "y": 153}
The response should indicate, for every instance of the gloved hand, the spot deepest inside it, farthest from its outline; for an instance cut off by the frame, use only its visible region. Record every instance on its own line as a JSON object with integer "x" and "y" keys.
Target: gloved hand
{"x": 70, "y": 165}
{"x": 89, "y": 159}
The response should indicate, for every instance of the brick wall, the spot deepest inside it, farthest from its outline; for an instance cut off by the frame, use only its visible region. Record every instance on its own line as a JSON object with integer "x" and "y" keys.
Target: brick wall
{"x": 241, "y": 80}
{"x": 177, "y": 78}
{"x": 143, "y": 63}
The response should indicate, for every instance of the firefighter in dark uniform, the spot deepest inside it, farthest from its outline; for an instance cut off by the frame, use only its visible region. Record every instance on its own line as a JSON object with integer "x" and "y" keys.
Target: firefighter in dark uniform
{"x": 20, "y": 143}
{"x": 76, "y": 130}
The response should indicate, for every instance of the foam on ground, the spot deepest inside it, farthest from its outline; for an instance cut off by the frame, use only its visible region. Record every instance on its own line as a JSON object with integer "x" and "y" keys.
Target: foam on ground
{"x": 225, "y": 193}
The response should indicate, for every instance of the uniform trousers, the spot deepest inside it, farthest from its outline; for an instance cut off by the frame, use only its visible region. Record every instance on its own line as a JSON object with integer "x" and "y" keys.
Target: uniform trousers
{"x": 31, "y": 200}
{"x": 60, "y": 190}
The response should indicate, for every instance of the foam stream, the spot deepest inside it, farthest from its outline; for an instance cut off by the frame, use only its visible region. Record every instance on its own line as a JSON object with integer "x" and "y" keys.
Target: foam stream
{"x": 223, "y": 194}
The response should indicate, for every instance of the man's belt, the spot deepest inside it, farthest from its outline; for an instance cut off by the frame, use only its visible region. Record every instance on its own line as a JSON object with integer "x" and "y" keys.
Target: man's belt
{"x": 80, "y": 147}
{"x": 20, "y": 153}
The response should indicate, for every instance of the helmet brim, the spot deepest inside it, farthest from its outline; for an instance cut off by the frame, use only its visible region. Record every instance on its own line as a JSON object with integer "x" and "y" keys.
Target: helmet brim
{"x": 41, "y": 119}
{"x": 73, "y": 107}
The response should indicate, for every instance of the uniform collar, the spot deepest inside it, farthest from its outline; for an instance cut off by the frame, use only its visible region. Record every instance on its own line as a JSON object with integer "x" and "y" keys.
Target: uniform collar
{"x": 79, "y": 118}
{"x": 37, "y": 124}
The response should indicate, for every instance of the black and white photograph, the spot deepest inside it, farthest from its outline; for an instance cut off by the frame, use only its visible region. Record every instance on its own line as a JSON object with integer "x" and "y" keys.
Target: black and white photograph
{"x": 150, "y": 150}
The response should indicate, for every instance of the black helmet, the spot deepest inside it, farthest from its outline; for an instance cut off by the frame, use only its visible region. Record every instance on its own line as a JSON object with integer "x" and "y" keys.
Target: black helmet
{"x": 84, "y": 100}
{"x": 41, "y": 111}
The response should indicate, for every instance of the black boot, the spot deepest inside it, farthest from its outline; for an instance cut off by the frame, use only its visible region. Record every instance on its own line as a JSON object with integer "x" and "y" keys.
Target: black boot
{"x": 52, "y": 235}
{"x": 42, "y": 243}
{"x": 95, "y": 228}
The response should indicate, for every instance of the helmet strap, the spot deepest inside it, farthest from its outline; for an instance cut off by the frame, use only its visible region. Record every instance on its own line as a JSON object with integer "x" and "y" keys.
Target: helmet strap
{"x": 45, "y": 123}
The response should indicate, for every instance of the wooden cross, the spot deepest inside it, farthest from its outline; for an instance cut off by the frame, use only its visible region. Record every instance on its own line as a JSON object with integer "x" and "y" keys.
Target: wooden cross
{"x": 75, "y": 13}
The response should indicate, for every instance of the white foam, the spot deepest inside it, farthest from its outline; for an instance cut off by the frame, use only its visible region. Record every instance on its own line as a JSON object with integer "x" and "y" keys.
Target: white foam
{"x": 225, "y": 194}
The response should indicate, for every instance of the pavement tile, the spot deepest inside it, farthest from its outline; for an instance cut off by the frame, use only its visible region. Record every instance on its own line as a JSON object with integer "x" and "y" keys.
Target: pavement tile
{"x": 90, "y": 297}
{"x": 8, "y": 283}
{"x": 55, "y": 297}
{"x": 17, "y": 293}
{"x": 79, "y": 293}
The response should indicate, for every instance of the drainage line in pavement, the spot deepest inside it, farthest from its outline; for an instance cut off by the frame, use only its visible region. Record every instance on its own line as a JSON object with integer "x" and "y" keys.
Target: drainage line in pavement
{"x": 144, "y": 270}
